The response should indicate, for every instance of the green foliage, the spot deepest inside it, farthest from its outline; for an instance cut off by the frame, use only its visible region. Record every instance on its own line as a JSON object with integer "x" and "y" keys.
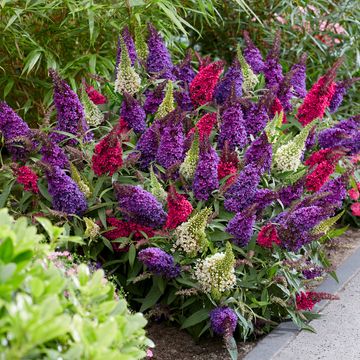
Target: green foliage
{"x": 51, "y": 308}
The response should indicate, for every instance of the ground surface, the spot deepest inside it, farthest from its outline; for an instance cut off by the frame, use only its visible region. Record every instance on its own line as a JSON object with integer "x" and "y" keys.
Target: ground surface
{"x": 173, "y": 344}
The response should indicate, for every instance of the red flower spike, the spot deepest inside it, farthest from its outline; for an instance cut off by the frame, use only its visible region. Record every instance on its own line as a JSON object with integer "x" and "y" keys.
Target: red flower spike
{"x": 228, "y": 165}
{"x": 319, "y": 176}
{"x": 95, "y": 96}
{"x": 28, "y": 178}
{"x": 330, "y": 155}
{"x": 203, "y": 85}
{"x": 107, "y": 158}
{"x": 179, "y": 209}
{"x": 277, "y": 108}
{"x": 205, "y": 125}
{"x": 125, "y": 229}
{"x": 268, "y": 236}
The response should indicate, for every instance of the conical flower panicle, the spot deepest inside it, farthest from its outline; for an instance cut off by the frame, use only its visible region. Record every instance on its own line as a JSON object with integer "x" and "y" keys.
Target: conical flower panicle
{"x": 188, "y": 167}
{"x": 154, "y": 98}
{"x": 253, "y": 55}
{"x": 15, "y": 132}
{"x": 148, "y": 144}
{"x": 230, "y": 84}
{"x": 319, "y": 97}
{"x": 140, "y": 206}
{"x": 273, "y": 69}
{"x": 127, "y": 80}
{"x": 171, "y": 147}
{"x": 184, "y": 72}
{"x": 272, "y": 128}
{"x": 179, "y": 209}
{"x": 159, "y": 60}
{"x": 259, "y": 153}
{"x": 28, "y": 178}
{"x": 92, "y": 230}
{"x": 298, "y": 81}
{"x": 54, "y": 155}
{"x": 288, "y": 157}
{"x": 205, "y": 125}
{"x": 65, "y": 193}
{"x": 156, "y": 188}
{"x": 203, "y": 85}
{"x": 107, "y": 157}
{"x": 93, "y": 115}
{"x": 167, "y": 105}
{"x": 228, "y": 165}
{"x": 216, "y": 273}
{"x": 140, "y": 44}
{"x": 243, "y": 190}
{"x": 250, "y": 80}
{"x": 125, "y": 39}
{"x": 190, "y": 236}
{"x": 285, "y": 90}
{"x": 232, "y": 126}
{"x": 83, "y": 186}
{"x": 206, "y": 178}
{"x": 241, "y": 227}
{"x": 133, "y": 113}
{"x": 326, "y": 225}
{"x": 341, "y": 88}
{"x": 70, "y": 112}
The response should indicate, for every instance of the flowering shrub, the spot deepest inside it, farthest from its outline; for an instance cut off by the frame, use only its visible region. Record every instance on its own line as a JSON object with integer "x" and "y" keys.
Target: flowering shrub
{"x": 210, "y": 197}
{"x": 52, "y": 307}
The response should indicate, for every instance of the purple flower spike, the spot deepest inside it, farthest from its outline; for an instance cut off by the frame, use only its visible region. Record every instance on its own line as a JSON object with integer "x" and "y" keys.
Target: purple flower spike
{"x": 298, "y": 81}
{"x": 241, "y": 227}
{"x": 184, "y": 72}
{"x": 133, "y": 113}
{"x": 148, "y": 144}
{"x": 229, "y": 85}
{"x": 15, "y": 131}
{"x": 223, "y": 321}
{"x": 340, "y": 90}
{"x": 242, "y": 192}
{"x": 253, "y": 55}
{"x": 232, "y": 127}
{"x": 183, "y": 99}
{"x": 159, "y": 60}
{"x": 154, "y": 98}
{"x": 171, "y": 147}
{"x": 259, "y": 153}
{"x": 291, "y": 193}
{"x": 65, "y": 193}
{"x": 159, "y": 262}
{"x": 129, "y": 42}
{"x": 140, "y": 206}
{"x": 70, "y": 112}
{"x": 206, "y": 175}
{"x": 54, "y": 155}
{"x": 273, "y": 69}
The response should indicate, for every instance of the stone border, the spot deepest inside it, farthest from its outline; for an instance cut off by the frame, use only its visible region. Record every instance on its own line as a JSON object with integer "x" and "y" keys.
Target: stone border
{"x": 275, "y": 341}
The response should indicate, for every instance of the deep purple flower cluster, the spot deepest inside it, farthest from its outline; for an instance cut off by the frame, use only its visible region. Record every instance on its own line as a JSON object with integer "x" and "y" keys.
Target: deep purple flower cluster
{"x": 273, "y": 69}
{"x": 206, "y": 174}
{"x": 241, "y": 227}
{"x": 341, "y": 88}
{"x": 70, "y": 112}
{"x": 159, "y": 60}
{"x": 54, "y": 155}
{"x": 243, "y": 191}
{"x": 171, "y": 147}
{"x": 290, "y": 193}
{"x": 140, "y": 206}
{"x": 295, "y": 226}
{"x": 255, "y": 117}
{"x": 285, "y": 91}
{"x": 312, "y": 272}
{"x": 133, "y": 113}
{"x": 159, "y": 262}
{"x": 259, "y": 153}
{"x": 334, "y": 192}
{"x": 232, "y": 128}
{"x": 154, "y": 98}
{"x": 184, "y": 72}
{"x": 298, "y": 80}
{"x": 345, "y": 134}
{"x": 223, "y": 320}
{"x": 230, "y": 85}
{"x": 183, "y": 100}
{"x": 130, "y": 45}
{"x": 15, "y": 131}
{"x": 65, "y": 193}
{"x": 264, "y": 198}
{"x": 148, "y": 144}
{"x": 253, "y": 55}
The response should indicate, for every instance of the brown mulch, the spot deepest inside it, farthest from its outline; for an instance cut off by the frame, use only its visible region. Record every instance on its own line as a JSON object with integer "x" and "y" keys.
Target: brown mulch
{"x": 174, "y": 344}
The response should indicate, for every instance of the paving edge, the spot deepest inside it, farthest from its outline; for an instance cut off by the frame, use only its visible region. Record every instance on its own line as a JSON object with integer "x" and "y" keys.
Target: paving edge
{"x": 275, "y": 341}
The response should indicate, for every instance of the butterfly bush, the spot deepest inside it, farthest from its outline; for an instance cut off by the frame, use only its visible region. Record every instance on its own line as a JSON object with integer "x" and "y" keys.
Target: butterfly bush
{"x": 211, "y": 188}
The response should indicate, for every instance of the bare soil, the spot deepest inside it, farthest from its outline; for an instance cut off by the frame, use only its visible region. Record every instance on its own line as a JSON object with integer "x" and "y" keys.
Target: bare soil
{"x": 174, "y": 344}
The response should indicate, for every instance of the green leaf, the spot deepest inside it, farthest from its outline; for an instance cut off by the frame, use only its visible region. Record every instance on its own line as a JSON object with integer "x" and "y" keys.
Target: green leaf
{"x": 31, "y": 60}
{"x": 151, "y": 298}
{"x": 6, "y": 272}
{"x": 6, "y": 250}
{"x": 46, "y": 224}
{"x": 8, "y": 87}
{"x": 5, "y": 193}
{"x": 132, "y": 255}
{"x": 196, "y": 318}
